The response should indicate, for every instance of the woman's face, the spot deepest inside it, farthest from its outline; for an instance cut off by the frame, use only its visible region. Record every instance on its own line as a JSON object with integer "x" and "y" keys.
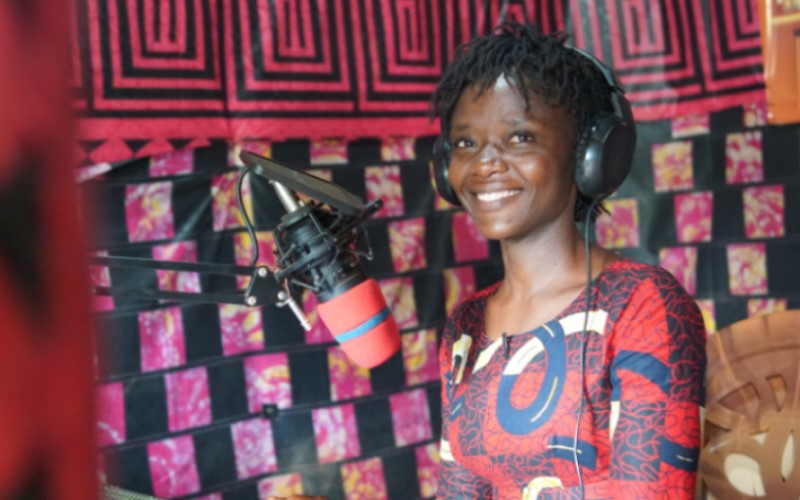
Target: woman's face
{"x": 511, "y": 167}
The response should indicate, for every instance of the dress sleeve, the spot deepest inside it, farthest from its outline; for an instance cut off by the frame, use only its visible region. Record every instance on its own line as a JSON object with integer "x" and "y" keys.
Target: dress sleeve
{"x": 657, "y": 377}
{"x": 456, "y": 482}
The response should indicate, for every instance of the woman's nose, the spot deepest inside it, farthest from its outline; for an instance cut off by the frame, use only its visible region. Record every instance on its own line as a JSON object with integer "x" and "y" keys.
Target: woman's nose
{"x": 490, "y": 159}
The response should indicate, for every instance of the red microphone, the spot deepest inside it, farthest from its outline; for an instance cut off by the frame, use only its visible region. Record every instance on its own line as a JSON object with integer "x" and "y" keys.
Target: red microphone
{"x": 362, "y": 323}
{"x": 318, "y": 248}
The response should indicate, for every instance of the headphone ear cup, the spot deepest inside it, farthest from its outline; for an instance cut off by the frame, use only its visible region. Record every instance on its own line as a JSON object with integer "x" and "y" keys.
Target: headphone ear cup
{"x": 604, "y": 156}
{"x": 441, "y": 167}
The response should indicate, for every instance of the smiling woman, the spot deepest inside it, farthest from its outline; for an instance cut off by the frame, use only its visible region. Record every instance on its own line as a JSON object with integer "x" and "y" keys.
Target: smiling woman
{"x": 581, "y": 373}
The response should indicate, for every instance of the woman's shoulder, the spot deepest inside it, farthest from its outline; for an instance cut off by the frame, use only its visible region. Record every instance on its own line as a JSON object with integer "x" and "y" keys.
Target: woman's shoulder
{"x": 626, "y": 282}
{"x": 635, "y": 289}
{"x": 632, "y": 272}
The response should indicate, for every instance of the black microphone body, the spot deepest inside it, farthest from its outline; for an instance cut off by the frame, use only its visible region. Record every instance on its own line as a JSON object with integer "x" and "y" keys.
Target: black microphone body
{"x": 318, "y": 248}
{"x": 316, "y": 251}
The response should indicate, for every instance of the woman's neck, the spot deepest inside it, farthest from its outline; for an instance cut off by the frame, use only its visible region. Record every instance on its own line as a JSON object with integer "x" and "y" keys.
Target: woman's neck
{"x": 540, "y": 261}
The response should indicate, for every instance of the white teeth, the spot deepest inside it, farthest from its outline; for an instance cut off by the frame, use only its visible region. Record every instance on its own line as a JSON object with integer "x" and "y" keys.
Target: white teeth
{"x": 496, "y": 195}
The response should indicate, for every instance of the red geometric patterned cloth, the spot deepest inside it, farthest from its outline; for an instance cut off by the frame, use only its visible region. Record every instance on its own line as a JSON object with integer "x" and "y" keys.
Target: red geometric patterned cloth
{"x": 509, "y": 406}
{"x": 161, "y": 75}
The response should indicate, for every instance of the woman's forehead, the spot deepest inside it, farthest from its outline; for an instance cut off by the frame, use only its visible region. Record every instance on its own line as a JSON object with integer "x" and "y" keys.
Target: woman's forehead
{"x": 529, "y": 103}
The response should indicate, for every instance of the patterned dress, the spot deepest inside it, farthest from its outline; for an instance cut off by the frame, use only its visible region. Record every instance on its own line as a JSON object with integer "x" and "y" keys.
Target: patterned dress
{"x": 510, "y": 406}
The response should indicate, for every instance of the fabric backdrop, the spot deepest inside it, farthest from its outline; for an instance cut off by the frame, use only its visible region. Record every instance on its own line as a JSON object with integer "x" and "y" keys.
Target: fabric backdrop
{"x": 157, "y": 75}
{"x": 713, "y": 197}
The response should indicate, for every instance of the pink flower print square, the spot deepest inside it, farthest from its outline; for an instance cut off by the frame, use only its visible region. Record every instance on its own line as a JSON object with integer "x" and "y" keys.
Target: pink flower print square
{"x": 253, "y": 448}
{"x": 747, "y": 268}
{"x": 364, "y": 480}
{"x": 755, "y": 114}
{"x": 743, "y": 158}
{"x": 172, "y": 163}
{"x": 427, "y": 469}
{"x": 410, "y": 417}
{"x": 225, "y": 201}
{"x": 335, "y": 433}
{"x": 188, "y": 400}
{"x": 319, "y": 332}
{"x": 468, "y": 243}
{"x": 619, "y": 228}
{"x": 689, "y": 125}
{"x": 682, "y": 263}
{"x": 148, "y": 211}
{"x": 459, "y": 283}
{"x": 672, "y": 166}
{"x": 110, "y": 418}
{"x": 329, "y": 152}
{"x": 397, "y": 149}
{"x": 407, "y": 244}
{"x": 693, "y": 216}
{"x": 284, "y": 485}
{"x": 420, "y": 356}
{"x": 383, "y": 183}
{"x": 763, "y": 212}
{"x": 760, "y": 307}
{"x": 241, "y": 327}
{"x": 172, "y": 467}
{"x": 399, "y": 294}
{"x": 177, "y": 281}
{"x": 347, "y": 379}
{"x": 161, "y": 339}
{"x": 707, "y": 310}
{"x": 267, "y": 379}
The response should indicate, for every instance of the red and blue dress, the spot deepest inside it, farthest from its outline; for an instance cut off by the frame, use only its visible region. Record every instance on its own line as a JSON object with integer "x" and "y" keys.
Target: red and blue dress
{"x": 510, "y": 406}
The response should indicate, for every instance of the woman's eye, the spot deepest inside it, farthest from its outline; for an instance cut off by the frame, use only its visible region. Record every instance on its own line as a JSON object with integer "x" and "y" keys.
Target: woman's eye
{"x": 520, "y": 138}
{"x": 462, "y": 143}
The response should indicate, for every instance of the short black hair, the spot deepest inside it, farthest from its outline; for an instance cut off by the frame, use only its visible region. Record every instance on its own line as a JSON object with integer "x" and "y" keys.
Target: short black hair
{"x": 531, "y": 61}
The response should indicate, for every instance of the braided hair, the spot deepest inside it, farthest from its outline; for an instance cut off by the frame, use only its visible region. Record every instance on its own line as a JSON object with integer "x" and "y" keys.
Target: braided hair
{"x": 531, "y": 61}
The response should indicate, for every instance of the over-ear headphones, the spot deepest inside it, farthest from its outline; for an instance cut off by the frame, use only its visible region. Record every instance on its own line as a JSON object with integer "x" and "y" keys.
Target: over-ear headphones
{"x": 604, "y": 154}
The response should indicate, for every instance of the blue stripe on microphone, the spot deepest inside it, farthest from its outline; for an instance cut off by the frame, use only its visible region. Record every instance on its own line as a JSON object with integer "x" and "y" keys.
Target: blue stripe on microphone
{"x": 364, "y": 327}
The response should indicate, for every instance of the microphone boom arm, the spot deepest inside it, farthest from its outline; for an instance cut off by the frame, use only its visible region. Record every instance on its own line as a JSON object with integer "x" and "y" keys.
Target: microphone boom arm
{"x": 264, "y": 287}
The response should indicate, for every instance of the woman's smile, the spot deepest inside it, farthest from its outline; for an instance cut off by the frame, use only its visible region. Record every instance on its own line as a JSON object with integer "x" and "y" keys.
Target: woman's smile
{"x": 495, "y": 198}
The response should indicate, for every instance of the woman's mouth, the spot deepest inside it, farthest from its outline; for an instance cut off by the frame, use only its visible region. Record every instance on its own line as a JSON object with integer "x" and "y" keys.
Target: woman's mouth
{"x": 493, "y": 196}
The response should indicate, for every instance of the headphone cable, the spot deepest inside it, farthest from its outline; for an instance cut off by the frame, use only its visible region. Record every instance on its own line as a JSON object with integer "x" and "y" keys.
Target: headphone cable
{"x": 588, "y": 294}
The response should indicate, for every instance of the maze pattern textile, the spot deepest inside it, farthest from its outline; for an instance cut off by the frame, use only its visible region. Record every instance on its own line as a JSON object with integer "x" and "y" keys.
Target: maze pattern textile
{"x": 713, "y": 198}
{"x": 158, "y": 75}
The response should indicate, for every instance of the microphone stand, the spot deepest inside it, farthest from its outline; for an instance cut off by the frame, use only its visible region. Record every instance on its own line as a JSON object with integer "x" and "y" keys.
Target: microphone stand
{"x": 264, "y": 287}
